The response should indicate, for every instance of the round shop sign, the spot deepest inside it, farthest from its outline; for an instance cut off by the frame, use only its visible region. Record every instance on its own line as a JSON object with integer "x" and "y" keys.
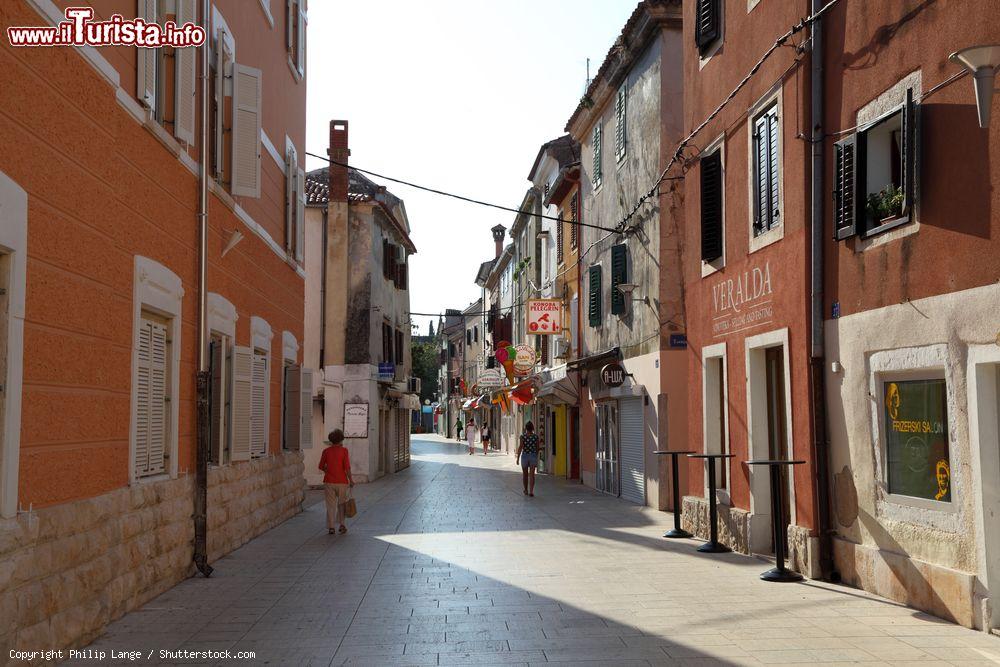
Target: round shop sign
{"x": 490, "y": 379}
{"x": 524, "y": 359}
{"x": 613, "y": 375}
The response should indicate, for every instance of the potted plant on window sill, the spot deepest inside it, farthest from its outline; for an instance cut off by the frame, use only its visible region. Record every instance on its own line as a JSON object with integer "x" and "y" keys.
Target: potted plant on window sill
{"x": 886, "y": 205}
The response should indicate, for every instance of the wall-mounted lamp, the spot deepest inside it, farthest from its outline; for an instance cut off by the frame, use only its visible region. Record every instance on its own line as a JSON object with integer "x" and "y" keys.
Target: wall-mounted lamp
{"x": 983, "y": 62}
{"x": 234, "y": 238}
{"x": 628, "y": 288}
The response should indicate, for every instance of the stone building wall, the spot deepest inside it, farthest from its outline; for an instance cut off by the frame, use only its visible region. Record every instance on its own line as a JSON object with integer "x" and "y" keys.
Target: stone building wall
{"x": 68, "y": 570}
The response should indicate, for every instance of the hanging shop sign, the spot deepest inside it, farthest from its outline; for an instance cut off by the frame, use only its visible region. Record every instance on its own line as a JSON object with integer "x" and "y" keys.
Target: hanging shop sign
{"x": 743, "y": 302}
{"x": 613, "y": 375}
{"x": 524, "y": 360}
{"x": 544, "y": 316}
{"x": 386, "y": 371}
{"x": 355, "y": 420}
{"x": 490, "y": 379}
{"x": 505, "y": 355}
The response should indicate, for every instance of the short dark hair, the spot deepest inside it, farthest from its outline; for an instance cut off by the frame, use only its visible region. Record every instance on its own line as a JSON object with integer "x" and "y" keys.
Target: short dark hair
{"x": 336, "y": 436}
{"x": 529, "y": 427}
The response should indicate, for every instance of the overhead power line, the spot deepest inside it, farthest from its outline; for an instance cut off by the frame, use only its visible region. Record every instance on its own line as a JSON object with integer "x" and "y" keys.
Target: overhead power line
{"x": 460, "y": 197}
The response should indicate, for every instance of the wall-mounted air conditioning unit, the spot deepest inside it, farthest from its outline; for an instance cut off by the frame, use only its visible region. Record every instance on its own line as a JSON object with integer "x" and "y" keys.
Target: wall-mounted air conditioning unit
{"x": 561, "y": 348}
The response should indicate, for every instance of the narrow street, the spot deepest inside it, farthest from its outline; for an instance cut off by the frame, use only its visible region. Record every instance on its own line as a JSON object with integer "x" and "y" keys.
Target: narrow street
{"x": 449, "y": 563}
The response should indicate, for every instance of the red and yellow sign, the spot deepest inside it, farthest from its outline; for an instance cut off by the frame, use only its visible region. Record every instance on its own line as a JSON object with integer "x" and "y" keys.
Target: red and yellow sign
{"x": 545, "y": 316}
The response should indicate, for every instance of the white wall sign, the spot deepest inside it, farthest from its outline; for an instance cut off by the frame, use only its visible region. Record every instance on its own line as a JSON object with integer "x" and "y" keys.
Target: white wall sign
{"x": 490, "y": 379}
{"x": 743, "y": 302}
{"x": 355, "y": 420}
{"x": 544, "y": 316}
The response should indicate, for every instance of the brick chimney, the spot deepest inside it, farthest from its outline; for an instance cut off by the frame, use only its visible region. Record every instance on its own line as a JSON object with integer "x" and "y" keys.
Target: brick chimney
{"x": 338, "y": 152}
{"x": 498, "y": 234}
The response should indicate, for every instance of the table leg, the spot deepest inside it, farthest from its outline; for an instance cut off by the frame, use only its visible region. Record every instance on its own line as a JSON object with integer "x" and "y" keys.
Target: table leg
{"x": 780, "y": 572}
{"x": 677, "y": 530}
{"x": 712, "y": 546}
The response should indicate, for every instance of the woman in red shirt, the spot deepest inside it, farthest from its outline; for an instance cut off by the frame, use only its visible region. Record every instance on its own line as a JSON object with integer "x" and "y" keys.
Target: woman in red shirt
{"x": 335, "y": 462}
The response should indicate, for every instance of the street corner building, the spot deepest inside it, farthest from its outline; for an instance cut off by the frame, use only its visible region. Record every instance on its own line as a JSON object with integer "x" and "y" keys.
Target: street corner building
{"x": 358, "y": 316}
{"x": 106, "y": 320}
{"x": 629, "y": 276}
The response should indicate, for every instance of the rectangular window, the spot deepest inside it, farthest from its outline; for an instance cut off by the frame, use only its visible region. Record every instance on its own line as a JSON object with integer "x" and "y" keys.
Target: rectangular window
{"x": 152, "y": 383}
{"x": 716, "y": 437}
{"x": 259, "y": 404}
{"x": 399, "y": 347}
{"x": 295, "y": 35}
{"x": 707, "y": 24}
{"x": 221, "y": 64}
{"x": 468, "y": 336}
{"x": 220, "y": 392}
{"x": 559, "y": 239}
{"x": 620, "y": 117}
{"x": 147, "y": 63}
{"x": 596, "y": 140}
{"x": 184, "y": 78}
{"x": 916, "y": 434}
{"x": 619, "y": 275}
{"x": 574, "y": 218}
{"x": 766, "y": 172}
{"x": 711, "y": 207}
{"x": 595, "y": 296}
{"x": 297, "y": 408}
{"x": 875, "y": 174}
{"x": 387, "y": 344}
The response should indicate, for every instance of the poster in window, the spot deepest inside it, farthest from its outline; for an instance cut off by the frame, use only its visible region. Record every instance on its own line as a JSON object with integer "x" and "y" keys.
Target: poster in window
{"x": 916, "y": 426}
{"x": 355, "y": 420}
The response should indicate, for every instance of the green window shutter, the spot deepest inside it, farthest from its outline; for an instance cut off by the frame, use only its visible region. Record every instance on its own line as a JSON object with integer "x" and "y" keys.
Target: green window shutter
{"x": 595, "y": 296}
{"x": 711, "y": 207}
{"x": 619, "y": 275}
{"x": 597, "y": 139}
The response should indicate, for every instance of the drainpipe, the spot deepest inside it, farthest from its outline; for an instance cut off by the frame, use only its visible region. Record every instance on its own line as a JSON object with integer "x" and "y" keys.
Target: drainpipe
{"x": 579, "y": 337}
{"x": 204, "y": 375}
{"x": 821, "y": 449}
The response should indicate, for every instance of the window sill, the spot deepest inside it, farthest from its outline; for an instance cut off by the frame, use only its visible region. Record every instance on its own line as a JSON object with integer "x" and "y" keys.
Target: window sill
{"x": 765, "y": 239}
{"x": 150, "y": 479}
{"x": 920, "y": 503}
{"x": 709, "y": 268}
{"x": 887, "y": 226}
{"x": 887, "y": 233}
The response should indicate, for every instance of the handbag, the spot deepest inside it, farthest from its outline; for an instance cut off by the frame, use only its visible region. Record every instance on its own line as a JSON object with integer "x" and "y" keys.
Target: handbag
{"x": 350, "y": 507}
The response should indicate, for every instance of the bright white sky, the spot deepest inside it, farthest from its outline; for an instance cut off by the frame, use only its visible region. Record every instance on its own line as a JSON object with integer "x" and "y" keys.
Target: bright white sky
{"x": 455, "y": 95}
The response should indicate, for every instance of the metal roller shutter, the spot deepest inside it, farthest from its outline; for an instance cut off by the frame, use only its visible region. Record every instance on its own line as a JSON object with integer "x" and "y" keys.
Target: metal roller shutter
{"x": 632, "y": 461}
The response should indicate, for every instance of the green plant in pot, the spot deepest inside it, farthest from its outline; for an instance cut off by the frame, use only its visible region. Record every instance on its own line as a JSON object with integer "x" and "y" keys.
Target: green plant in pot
{"x": 886, "y": 204}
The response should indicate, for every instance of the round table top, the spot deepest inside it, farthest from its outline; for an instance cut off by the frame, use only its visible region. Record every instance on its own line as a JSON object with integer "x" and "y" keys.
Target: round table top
{"x": 668, "y": 451}
{"x": 771, "y": 462}
{"x": 711, "y": 456}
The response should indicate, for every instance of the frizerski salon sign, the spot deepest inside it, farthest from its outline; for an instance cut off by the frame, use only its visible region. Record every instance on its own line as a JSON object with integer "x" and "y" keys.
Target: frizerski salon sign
{"x": 743, "y": 302}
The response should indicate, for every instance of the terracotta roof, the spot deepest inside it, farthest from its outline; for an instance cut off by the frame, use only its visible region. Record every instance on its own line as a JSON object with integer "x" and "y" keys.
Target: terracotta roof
{"x": 360, "y": 188}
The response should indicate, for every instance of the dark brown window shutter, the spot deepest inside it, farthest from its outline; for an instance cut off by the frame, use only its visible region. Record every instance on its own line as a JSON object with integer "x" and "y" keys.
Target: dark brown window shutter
{"x": 707, "y": 23}
{"x": 559, "y": 239}
{"x": 909, "y": 152}
{"x": 844, "y": 192}
{"x": 619, "y": 275}
{"x": 711, "y": 206}
{"x": 594, "y": 296}
{"x": 574, "y": 216}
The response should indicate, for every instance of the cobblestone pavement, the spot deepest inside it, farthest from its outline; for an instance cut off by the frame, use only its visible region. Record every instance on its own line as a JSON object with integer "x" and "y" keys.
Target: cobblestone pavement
{"x": 449, "y": 563}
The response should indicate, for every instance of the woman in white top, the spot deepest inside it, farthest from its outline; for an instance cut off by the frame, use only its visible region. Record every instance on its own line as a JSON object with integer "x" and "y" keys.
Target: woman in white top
{"x": 470, "y": 434}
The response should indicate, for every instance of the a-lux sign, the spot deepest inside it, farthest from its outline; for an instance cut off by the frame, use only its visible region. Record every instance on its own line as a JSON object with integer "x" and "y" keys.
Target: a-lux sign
{"x": 613, "y": 375}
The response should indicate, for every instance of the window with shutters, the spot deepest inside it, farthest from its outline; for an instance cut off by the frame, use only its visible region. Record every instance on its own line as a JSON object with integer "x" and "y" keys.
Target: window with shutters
{"x": 295, "y": 36}
{"x": 620, "y": 137}
{"x": 260, "y": 385}
{"x": 220, "y": 398}
{"x": 152, "y": 391}
{"x": 246, "y": 131}
{"x": 399, "y": 348}
{"x": 619, "y": 275}
{"x": 574, "y": 219}
{"x": 149, "y": 64}
{"x": 184, "y": 77}
{"x": 765, "y": 176}
{"x": 875, "y": 174}
{"x": 297, "y": 408}
{"x": 468, "y": 336}
{"x": 596, "y": 142}
{"x": 713, "y": 228}
{"x": 594, "y": 295}
{"x": 387, "y": 344}
{"x": 295, "y": 204}
{"x": 707, "y": 26}
{"x": 560, "y": 239}
{"x": 222, "y": 57}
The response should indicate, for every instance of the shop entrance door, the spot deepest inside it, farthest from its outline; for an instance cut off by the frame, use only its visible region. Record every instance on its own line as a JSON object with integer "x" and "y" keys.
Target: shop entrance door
{"x": 633, "y": 475}
{"x": 607, "y": 447}
{"x": 574, "y": 443}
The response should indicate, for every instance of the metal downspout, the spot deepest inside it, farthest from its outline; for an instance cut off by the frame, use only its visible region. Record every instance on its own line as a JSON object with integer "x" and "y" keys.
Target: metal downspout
{"x": 821, "y": 449}
{"x": 204, "y": 374}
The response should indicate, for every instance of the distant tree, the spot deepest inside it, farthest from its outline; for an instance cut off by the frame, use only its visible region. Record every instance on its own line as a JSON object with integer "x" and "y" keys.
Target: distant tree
{"x": 426, "y": 361}
{"x": 430, "y": 329}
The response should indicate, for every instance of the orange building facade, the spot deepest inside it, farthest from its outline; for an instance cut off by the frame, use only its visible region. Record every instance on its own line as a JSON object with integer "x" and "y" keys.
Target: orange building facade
{"x": 99, "y": 261}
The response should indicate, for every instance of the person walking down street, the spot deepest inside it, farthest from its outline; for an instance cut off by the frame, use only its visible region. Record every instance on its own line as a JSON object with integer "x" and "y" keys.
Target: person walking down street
{"x": 458, "y": 430}
{"x": 335, "y": 463}
{"x": 527, "y": 454}
{"x": 485, "y": 437}
{"x": 470, "y": 434}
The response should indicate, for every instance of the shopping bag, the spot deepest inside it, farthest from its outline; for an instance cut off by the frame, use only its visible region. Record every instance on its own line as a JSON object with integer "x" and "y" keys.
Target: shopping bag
{"x": 350, "y": 508}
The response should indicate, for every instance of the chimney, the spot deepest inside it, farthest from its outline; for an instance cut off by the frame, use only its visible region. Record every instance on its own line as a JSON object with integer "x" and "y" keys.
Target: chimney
{"x": 498, "y": 234}
{"x": 338, "y": 152}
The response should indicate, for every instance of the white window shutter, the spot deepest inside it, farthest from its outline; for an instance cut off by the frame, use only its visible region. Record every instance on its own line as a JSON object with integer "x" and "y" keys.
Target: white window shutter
{"x": 258, "y": 406}
{"x": 158, "y": 408}
{"x": 143, "y": 400}
{"x": 220, "y": 102}
{"x": 620, "y": 106}
{"x": 300, "y": 42}
{"x": 306, "y": 431}
{"x": 218, "y": 400}
{"x": 291, "y": 165}
{"x": 242, "y": 388}
{"x": 145, "y": 72}
{"x": 184, "y": 80}
{"x": 300, "y": 215}
{"x": 246, "y": 131}
{"x": 293, "y": 407}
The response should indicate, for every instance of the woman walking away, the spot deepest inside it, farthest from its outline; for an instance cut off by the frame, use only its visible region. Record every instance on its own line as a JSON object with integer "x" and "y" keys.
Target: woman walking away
{"x": 458, "y": 430}
{"x": 485, "y": 437}
{"x": 335, "y": 462}
{"x": 527, "y": 454}
{"x": 470, "y": 433}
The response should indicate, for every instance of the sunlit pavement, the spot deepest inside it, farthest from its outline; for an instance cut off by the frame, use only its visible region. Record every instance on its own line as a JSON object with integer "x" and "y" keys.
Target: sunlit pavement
{"x": 449, "y": 563}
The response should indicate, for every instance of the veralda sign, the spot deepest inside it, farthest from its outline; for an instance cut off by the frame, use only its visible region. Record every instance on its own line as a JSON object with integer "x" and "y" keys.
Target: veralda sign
{"x": 743, "y": 302}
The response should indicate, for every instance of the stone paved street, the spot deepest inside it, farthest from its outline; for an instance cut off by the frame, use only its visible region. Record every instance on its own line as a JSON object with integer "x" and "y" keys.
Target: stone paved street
{"x": 448, "y": 563}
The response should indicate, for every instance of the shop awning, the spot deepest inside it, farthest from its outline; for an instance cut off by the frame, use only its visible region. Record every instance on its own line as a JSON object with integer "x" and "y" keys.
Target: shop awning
{"x": 523, "y": 393}
{"x": 563, "y": 390}
{"x": 595, "y": 360}
{"x": 468, "y": 404}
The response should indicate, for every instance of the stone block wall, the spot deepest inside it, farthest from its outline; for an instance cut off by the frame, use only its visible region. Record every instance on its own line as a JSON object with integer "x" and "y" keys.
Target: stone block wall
{"x": 68, "y": 570}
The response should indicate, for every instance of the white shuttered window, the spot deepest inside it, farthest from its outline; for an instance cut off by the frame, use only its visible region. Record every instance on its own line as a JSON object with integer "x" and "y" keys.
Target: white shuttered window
{"x": 184, "y": 81}
{"x": 242, "y": 385}
{"x": 298, "y": 408}
{"x": 300, "y": 215}
{"x": 146, "y": 59}
{"x": 291, "y": 167}
{"x": 152, "y": 398}
{"x": 258, "y": 405}
{"x": 246, "y": 130}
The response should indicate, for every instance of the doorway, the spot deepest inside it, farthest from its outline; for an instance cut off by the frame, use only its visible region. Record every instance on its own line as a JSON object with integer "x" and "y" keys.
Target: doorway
{"x": 606, "y": 414}
{"x": 574, "y": 443}
{"x": 984, "y": 436}
{"x": 769, "y": 424}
